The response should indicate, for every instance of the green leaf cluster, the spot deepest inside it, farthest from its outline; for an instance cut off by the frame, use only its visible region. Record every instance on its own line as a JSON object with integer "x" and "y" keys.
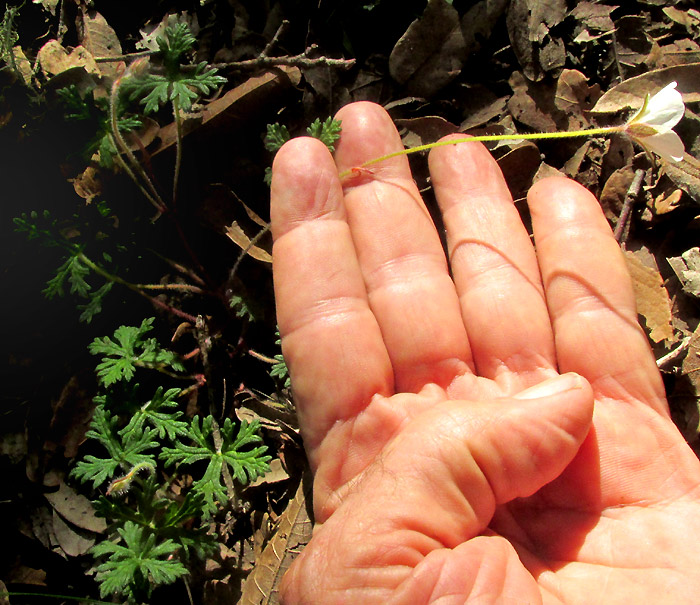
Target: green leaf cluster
{"x": 328, "y": 132}
{"x": 132, "y": 569}
{"x": 128, "y": 350}
{"x": 153, "y": 532}
{"x": 245, "y": 463}
{"x": 279, "y": 369}
{"x": 86, "y": 108}
{"x": 74, "y": 269}
{"x": 180, "y": 85}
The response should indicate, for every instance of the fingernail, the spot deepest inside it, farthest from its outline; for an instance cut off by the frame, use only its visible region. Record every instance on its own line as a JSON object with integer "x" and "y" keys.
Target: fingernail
{"x": 553, "y": 386}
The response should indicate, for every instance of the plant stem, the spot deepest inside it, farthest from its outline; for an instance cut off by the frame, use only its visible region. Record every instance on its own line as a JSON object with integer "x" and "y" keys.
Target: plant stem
{"x": 136, "y": 288}
{"x": 483, "y": 138}
{"x": 121, "y": 145}
{"x": 178, "y": 148}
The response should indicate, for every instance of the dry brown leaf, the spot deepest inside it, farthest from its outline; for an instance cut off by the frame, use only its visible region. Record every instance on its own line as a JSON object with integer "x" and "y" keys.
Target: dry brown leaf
{"x": 101, "y": 41}
{"x": 480, "y": 106}
{"x": 615, "y": 191}
{"x": 666, "y": 201}
{"x": 87, "y": 184}
{"x": 293, "y": 533}
{"x": 653, "y": 302}
{"x": 238, "y": 236}
{"x": 531, "y": 104}
{"x": 76, "y": 508}
{"x": 425, "y": 129}
{"x": 73, "y": 542}
{"x": 244, "y": 100}
{"x": 574, "y": 95}
{"x": 686, "y": 175}
{"x": 519, "y": 166}
{"x": 432, "y": 51}
{"x": 630, "y": 94}
{"x": 479, "y": 21}
{"x": 54, "y": 59}
{"x": 529, "y": 23}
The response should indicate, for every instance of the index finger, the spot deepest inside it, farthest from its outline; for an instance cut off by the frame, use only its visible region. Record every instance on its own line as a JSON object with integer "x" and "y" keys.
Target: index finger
{"x": 331, "y": 341}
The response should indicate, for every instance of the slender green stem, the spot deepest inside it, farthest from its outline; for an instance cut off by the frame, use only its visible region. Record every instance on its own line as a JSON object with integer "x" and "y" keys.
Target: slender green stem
{"x": 136, "y": 288}
{"x": 483, "y": 138}
{"x": 122, "y": 147}
{"x": 63, "y": 597}
{"x": 178, "y": 147}
{"x": 115, "y": 278}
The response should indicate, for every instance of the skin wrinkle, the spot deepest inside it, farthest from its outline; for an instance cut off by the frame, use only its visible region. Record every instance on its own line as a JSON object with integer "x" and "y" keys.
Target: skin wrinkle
{"x": 394, "y": 270}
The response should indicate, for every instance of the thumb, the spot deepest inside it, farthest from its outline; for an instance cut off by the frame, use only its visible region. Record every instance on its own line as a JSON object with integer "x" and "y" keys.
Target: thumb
{"x": 533, "y": 436}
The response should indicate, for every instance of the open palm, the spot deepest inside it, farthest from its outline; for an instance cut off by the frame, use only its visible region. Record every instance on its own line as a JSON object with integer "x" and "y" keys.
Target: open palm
{"x": 494, "y": 430}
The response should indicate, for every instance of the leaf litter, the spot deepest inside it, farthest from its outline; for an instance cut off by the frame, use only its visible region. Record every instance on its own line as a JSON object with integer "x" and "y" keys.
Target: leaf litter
{"x": 439, "y": 68}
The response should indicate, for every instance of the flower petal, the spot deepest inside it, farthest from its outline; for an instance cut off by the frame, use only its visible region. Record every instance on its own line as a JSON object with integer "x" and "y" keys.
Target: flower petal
{"x": 668, "y": 145}
{"x": 663, "y": 111}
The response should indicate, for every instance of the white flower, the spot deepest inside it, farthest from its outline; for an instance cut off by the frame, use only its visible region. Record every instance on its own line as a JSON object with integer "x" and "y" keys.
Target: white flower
{"x": 652, "y": 126}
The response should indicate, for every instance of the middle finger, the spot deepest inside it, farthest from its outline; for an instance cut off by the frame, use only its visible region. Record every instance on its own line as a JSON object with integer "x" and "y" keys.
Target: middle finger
{"x": 405, "y": 270}
{"x": 495, "y": 268}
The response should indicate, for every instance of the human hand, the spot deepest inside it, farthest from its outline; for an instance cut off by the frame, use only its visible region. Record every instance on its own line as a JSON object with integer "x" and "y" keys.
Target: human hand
{"x": 450, "y": 421}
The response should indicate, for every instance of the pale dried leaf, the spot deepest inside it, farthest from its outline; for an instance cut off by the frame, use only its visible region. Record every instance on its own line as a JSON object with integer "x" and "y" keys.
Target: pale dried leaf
{"x": 653, "y": 302}
{"x": 432, "y": 51}
{"x": 573, "y": 94}
{"x": 293, "y": 533}
{"x": 54, "y": 59}
{"x": 687, "y": 269}
{"x": 238, "y": 236}
{"x": 630, "y": 94}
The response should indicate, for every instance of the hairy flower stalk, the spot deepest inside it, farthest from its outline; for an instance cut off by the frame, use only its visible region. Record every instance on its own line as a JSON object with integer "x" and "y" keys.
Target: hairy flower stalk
{"x": 651, "y": 127}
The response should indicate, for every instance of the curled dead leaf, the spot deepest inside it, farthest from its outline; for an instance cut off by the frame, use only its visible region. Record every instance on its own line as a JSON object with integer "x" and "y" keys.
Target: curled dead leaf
{"x": 238, "y": 236}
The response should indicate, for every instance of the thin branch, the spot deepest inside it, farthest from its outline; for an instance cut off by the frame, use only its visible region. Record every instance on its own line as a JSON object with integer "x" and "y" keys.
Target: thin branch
{"x": 621, "y": 229}
{"x": 300, "y": 60}
{"x": 278, "y": 34}
{"x": 670, "y": 357}
{"x": 127, "y": 56}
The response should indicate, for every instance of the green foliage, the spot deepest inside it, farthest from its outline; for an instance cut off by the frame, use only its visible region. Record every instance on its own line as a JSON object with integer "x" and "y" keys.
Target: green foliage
{"x": 161, "y": 413}
{"x": 125, "y": 449}
{"x": 279, "y": 369}
{"x": 48, "y": 236}
{"x": 8, "y": 36}
{"x": 128, "y": 350}
{"x": 132, "y": 569}
{"x": 153, "y": 531}
{"x": 85, "y": 108}
{"x": 246, "y": 464}
{"x": 74, "y": 269}
{"x": 179, "y": 85}
{"x": 277, "y": 135}
{"x": 328, "y": 131}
